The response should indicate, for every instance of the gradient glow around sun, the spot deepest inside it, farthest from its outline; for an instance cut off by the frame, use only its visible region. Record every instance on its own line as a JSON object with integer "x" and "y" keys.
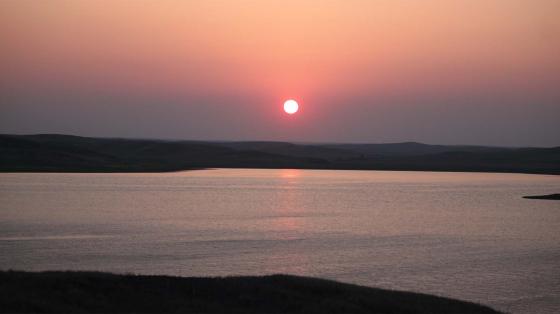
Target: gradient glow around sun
{"x": 291, "y": 106}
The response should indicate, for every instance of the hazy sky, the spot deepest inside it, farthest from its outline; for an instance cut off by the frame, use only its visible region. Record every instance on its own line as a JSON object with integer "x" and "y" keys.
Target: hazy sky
{"x": 447, "y": 71}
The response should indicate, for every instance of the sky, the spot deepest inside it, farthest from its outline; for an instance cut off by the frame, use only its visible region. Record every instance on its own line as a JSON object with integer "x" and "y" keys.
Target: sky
{"x": 436, "y": 71}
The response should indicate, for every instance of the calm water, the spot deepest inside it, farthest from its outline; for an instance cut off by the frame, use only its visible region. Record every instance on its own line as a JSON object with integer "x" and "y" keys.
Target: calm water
{"x": 464, "y": 235}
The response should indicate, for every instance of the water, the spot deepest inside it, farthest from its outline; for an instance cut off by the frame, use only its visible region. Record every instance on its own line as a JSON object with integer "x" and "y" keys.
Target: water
{"x": 464, "y": 235}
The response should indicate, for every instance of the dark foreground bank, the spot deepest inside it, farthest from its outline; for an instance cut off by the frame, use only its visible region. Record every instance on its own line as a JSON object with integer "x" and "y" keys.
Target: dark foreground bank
{"x": 92, "y": 292}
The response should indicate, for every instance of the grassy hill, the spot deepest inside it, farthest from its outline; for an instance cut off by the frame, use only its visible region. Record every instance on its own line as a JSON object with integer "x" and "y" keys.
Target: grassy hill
{"x": 64, "y": 153}
{"x": 412, "y": 148}
{"x": 88, "y": 292}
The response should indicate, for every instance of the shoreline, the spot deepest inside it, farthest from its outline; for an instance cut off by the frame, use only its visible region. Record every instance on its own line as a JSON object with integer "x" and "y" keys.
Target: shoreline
{"x": 266, "y": 168}
{"x": 101, "y": 292}
{"x": 65, "y": 153}
{"x": 555, "y": 197}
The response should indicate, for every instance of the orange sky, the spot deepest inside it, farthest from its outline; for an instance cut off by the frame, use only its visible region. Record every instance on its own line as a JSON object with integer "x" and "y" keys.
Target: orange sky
{"x": 326, "y": 54}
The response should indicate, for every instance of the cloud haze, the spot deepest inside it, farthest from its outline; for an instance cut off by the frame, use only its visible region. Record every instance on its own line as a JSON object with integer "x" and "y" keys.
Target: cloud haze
{"x": 461, "y": 72}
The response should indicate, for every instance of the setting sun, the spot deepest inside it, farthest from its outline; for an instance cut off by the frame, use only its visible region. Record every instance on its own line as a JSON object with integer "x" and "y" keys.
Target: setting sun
{"x": 393, "y": 144}
{"x": 291, "y": 106}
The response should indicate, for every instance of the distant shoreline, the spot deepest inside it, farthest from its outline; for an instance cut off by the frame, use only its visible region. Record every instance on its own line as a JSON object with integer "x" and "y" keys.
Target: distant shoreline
{"x": 95, "y": 292}
{"x": 63, "y": 171}
{"x": 74, "y": 154}
{"x": 544, "y": 197}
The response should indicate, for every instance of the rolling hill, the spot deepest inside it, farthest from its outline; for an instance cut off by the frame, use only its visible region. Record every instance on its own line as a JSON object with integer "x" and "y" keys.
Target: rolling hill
{"x": 66, "y": 153}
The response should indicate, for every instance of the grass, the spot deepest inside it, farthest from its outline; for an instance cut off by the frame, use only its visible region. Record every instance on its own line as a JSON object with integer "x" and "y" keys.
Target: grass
{"x": 95, "y": 292}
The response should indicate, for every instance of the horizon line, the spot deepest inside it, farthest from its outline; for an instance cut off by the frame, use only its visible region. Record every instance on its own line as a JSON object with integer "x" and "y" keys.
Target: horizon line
{"x": 271, "y": 141}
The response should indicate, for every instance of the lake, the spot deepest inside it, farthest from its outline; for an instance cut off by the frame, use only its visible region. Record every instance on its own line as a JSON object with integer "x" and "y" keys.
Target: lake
{"x": 469, "y": 236}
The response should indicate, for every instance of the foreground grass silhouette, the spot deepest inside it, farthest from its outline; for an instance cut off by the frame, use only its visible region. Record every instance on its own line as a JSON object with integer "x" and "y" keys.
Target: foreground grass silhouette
{"x": 92, "y": 292}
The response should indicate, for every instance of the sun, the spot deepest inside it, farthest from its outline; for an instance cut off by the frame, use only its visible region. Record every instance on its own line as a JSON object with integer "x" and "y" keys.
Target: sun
{"x": 291, "y": 106}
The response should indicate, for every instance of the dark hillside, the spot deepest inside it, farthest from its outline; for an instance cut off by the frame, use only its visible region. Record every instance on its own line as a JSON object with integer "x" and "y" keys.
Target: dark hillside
{"x": 64, "y": 153}
{"x": 86, "y": 292}
{"x": 411, "y": 149}
{"x": 61, "y": 153}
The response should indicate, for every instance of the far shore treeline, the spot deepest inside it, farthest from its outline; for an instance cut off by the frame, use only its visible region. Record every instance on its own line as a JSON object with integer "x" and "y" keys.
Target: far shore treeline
{"x": 66, "y": 153}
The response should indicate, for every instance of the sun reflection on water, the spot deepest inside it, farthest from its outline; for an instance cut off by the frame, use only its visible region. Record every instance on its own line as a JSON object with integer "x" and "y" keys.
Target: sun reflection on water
{"x": 290, "y": 173}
